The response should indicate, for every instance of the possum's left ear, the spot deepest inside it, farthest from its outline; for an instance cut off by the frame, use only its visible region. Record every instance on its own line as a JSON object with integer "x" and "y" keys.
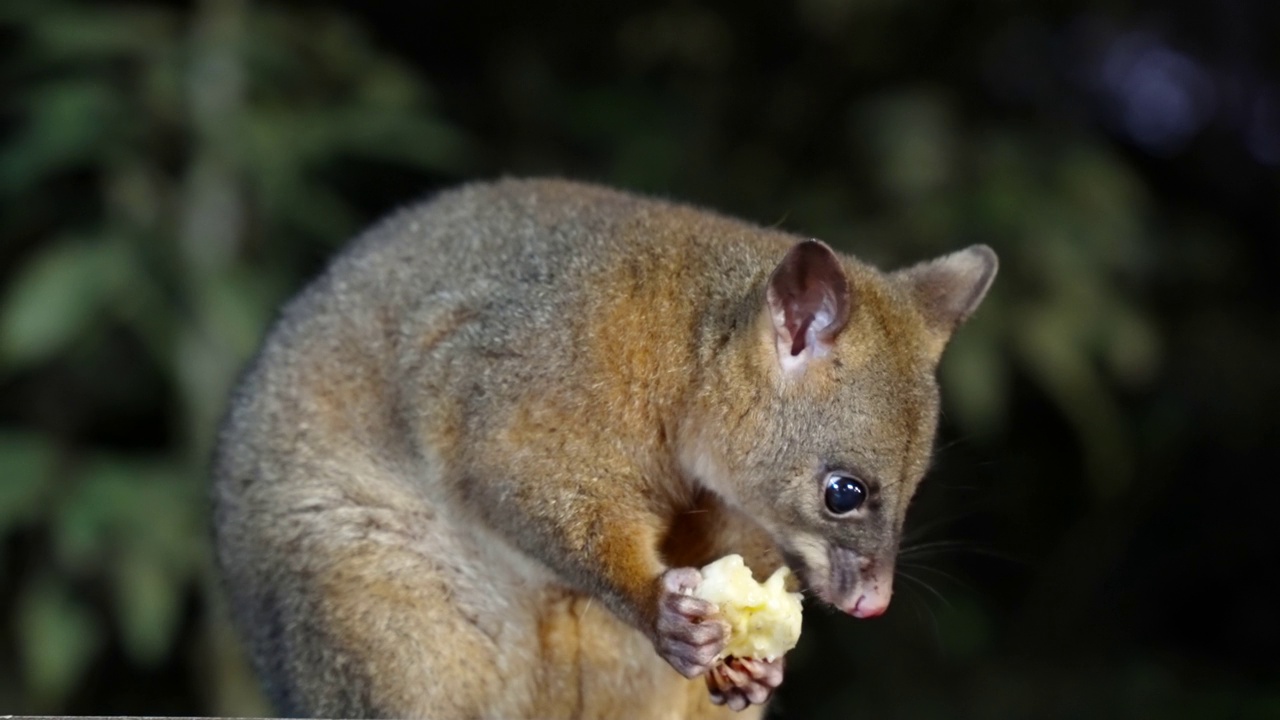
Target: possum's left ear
{"x": 949, "y": 289}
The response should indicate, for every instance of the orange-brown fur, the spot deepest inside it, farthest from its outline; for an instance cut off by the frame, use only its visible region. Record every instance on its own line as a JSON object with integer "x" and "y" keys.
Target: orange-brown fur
{"x": 450, "y": 481}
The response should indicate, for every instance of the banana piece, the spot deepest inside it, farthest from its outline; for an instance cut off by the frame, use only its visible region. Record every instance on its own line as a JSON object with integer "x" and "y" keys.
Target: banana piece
{"x": 764, "y": 618}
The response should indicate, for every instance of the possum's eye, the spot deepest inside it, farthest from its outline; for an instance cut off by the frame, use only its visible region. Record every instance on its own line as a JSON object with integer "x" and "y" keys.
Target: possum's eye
{"x": 844, "y": 494}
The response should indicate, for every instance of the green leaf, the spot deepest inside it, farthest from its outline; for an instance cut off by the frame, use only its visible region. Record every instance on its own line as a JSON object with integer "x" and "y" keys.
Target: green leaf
{"x": 104, "y": 33}
{"x": 1048, "y": 346}
{"x": 975, "y": 378}
{"x": 139, "y": 522}
{"x": 1133, "y": 352}
{"x": 238, "y": 308}
{"x": 146, "y": 604}
{"x": 28, "y": 461}
{"x": 911, "y": 134}
{"x": 54, "y": 299}
{"x": 79, "y": 528}
{"x": 205, "y": 373}
{"x": 106, "y": 501}
{"x": 57, "y": 639}
{"x": 408, "y": 138}
{"x": 67, "y": 124}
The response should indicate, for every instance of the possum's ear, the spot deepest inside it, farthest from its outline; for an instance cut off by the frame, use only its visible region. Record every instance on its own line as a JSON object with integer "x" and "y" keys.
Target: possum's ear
{"x": 949, "y": 289}
{"x": 809, "y": 301}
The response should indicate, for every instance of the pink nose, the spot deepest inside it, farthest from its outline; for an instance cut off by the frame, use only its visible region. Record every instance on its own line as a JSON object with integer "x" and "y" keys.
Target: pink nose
{"x": 869, "y": 606}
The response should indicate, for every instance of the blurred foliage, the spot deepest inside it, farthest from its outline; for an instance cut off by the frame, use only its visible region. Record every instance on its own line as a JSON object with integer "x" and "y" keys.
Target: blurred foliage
{"x": 177, "y": 170}
{"x": 170, "y": 181}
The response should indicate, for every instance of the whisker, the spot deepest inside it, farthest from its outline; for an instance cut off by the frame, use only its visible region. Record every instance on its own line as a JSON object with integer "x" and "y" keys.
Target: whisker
{"x": 943, "y": 573}
{"x": 936, "y": 547}
{"x": 956, "y": 514}
{"x": 926, "y": 586}
{"x": 940, "y": 543}
{"x": 968, "y": 487}
{"x": 917, "y": 603}
{"x": 953, "y": 442}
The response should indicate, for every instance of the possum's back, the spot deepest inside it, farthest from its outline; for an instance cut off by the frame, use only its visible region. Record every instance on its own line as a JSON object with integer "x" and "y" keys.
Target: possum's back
{"x": 487, "y": 283}
{"x": 324, "y": 438}
{"x": 475, "y": 283}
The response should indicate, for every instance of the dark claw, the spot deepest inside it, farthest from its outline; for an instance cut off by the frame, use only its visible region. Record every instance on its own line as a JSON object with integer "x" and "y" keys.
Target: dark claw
{"x": 734, "y": 675}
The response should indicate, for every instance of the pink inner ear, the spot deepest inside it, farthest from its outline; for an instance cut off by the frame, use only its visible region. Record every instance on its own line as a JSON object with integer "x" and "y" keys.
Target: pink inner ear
{"x": 810, "y": 294}
{"x": 799, "y": 335}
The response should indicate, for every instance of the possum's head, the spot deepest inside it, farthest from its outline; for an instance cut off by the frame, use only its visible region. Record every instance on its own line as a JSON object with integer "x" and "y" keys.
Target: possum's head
{"x": 820, "y": 422}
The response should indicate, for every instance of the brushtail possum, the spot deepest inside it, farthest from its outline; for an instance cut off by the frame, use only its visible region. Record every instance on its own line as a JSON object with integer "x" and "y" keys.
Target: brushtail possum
{"x": 476, "y": 463}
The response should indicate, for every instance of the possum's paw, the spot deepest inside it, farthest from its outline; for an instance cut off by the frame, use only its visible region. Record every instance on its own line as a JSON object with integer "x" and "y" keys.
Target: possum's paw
{"x": 689, "y": 631}
{"x": 739, "y": 682}
{"x": 764, "y": 619}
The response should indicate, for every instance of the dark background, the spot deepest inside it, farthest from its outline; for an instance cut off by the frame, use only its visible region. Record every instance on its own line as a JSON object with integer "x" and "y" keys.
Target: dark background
{"x": 1098, "y": 537}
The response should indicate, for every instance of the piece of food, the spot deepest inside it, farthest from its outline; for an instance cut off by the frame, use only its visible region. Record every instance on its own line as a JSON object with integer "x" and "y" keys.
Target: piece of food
{"x": 764, "y": 618}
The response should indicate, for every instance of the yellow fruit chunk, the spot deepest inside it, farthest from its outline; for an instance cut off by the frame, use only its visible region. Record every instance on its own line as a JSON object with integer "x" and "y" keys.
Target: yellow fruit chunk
{"x": 764, "y": 618}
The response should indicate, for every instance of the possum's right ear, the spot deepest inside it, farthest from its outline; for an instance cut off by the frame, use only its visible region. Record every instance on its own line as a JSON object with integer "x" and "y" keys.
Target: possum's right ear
{"x": 949, "y": 289}
{"x": 809, "y": 301}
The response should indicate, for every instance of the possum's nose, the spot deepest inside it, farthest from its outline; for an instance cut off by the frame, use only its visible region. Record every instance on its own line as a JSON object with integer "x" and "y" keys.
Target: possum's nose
{"x": 859, "y": 585}
{"x": 869, "y": 606}
{"x": 871, "y": 594}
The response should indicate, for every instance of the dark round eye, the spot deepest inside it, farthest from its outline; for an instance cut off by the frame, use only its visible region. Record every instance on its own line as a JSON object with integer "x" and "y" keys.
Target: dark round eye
{"x": 844, "y": 494}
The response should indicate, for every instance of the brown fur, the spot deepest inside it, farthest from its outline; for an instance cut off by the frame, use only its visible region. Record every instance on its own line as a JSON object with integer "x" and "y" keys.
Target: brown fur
{"x": 450, "y": 481}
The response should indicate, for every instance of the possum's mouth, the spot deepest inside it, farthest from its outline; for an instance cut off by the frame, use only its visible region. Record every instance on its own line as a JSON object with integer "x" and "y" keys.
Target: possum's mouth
{"x": 854, "y": 584}
{"x": 792, "y": 559}
{"x": 805, "y": 574}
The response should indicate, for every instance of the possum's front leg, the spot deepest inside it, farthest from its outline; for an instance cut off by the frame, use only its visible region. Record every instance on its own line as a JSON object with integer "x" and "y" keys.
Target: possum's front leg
{"x": 691, "y": 637}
